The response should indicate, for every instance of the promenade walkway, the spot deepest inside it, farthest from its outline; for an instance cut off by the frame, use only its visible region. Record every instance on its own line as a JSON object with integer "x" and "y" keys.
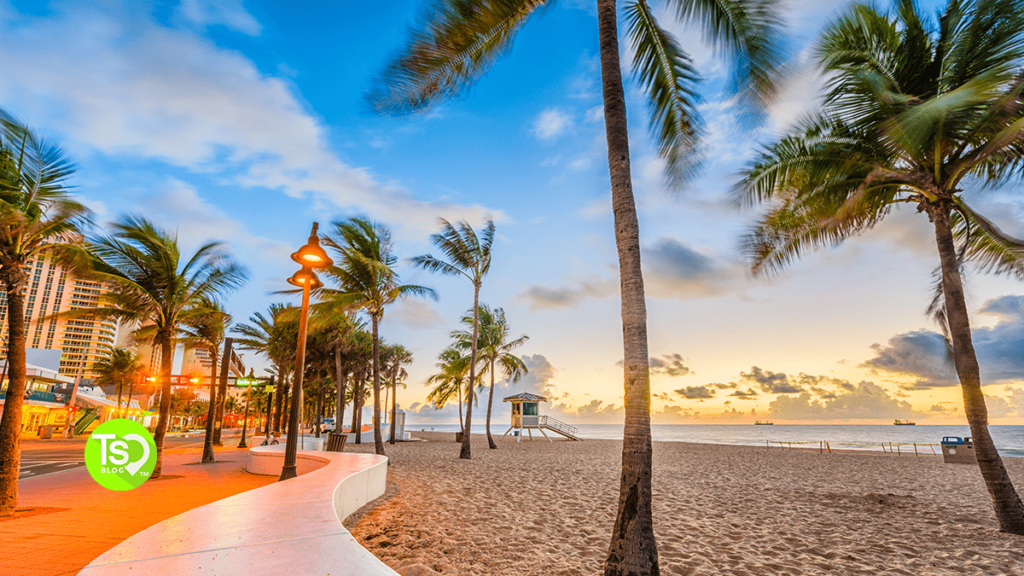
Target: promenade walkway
{"x": 75, "y": 520}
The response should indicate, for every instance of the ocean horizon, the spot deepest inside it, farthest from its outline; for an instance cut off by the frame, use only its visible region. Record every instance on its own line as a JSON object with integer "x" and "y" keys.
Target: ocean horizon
{"x": 1009, "y": 439}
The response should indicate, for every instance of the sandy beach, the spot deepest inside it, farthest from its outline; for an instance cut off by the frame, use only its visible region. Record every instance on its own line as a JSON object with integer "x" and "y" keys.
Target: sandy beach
{"x": 539, "y": 508}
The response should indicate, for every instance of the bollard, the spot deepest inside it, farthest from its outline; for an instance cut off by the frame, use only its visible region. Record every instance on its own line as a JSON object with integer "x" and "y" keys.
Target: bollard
{"x": 898, "y": 453}
{"x": 828, "y": 446}
{"x": 883, "y": 447}
{"x": 915, "y": 449}
{"x": 767, "y": 446}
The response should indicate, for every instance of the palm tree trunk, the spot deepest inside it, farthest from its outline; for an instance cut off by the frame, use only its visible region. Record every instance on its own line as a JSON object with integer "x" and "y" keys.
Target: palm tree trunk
{"x": 378, "y": 437}
{"x": 490, "y": 403}
{"x": 120, "y": 389}
{"x": 13, "y": 278}
{"x": 222, "y": 395}
{"x": 281, "y": 385}
{"x": 394, "y": 405}
{"x": 462, "y": 423}
{"x": 339, "y": 415}
{"x": 357, "y": 406}
{"x": 467, "y": 431}
{"x": 166, "y": 365}
{"x": 633, "y": 549}
{"x": 211, "y": 411}
{"x": 1008, "y": 507}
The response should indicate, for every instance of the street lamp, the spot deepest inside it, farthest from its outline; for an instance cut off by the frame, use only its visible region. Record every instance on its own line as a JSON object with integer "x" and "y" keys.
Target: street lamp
{"x": 309, "y": 256}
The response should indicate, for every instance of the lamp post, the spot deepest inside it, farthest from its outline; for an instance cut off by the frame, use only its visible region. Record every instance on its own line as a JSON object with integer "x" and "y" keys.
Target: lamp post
{"x": 309, "y": 256}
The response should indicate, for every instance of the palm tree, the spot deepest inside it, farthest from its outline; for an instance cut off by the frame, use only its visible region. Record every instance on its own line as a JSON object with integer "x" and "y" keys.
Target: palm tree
{"x": 367, "y": 279}
{"x": 397, "y": 355}
{"x": 916, "y": 112}
{"x": 495, "y": 352}
{"x": 37, "y": 217}
{"x": 456, "y": 41}
{"x": 153, "y": 284}
{"x": 120, "y": 369}
{"x": 204, "y": 327}
{"x": 273, "y": 336}
{"x": 470, "y": 256}
{"x": 449, "y": 380}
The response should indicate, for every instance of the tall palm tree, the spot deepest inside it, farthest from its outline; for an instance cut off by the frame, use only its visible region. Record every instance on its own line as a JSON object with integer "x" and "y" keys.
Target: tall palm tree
{"x": 153, "y": 284}
{"x": 397, "y": 355}
{"x": 271, "y": 336}
{"x": 37, "y": 216}
{"x": 456, "y": 41}
{"x": 119, "y": 369}
{"x": 366, "y": 278}
{"x": 449, "y": 380}
{"x": 467, "y": 255}
{"x": 204, "y": 327}
{"x": 495, "y": 353}
{"x": 917, "y": 113}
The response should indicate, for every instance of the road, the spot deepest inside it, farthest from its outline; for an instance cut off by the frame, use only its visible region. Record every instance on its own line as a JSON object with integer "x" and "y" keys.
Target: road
{"x": 42, "y": 457}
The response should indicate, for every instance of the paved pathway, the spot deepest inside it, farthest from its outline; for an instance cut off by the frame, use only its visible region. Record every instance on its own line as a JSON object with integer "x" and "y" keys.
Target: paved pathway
{"x": 73, "y": 520}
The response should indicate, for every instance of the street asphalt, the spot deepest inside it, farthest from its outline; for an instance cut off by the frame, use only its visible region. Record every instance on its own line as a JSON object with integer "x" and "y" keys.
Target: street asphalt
{"x": 42, "y": 457}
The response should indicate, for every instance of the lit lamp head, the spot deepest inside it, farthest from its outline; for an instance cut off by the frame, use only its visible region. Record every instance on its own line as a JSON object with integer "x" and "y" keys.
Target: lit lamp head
{"x": 305, "y": 277}
{"x": 312, "y": 255}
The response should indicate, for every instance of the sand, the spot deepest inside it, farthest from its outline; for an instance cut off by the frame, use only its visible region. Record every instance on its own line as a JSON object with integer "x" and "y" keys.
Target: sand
{"x": 547, "y": 509}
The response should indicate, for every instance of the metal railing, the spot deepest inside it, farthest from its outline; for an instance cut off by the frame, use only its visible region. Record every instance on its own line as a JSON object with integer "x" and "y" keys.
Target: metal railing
{"x": 558, "y": 426}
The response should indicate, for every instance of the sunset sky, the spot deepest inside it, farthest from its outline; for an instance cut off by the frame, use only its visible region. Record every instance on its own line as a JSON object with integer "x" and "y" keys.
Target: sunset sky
{"x": 247, "y": 122}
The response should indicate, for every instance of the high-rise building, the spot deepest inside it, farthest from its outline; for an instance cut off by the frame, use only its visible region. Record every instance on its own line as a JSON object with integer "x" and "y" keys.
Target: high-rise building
{"x": 52, "y": 289}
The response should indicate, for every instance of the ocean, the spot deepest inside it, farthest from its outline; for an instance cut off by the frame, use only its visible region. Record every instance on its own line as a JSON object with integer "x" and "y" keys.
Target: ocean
{"x": 1009, "y": 440}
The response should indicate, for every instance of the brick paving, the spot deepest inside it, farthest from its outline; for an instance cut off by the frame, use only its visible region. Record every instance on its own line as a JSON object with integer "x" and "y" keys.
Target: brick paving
{"x": 75, "y": 520}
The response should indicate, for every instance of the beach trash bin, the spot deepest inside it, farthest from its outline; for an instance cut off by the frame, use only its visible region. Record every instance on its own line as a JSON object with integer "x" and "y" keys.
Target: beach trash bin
{"x": 336, "y": 442}
{"x": 46, "y": 432}
{"x": 957, "y": 450}
{"x": 458, "y": 436}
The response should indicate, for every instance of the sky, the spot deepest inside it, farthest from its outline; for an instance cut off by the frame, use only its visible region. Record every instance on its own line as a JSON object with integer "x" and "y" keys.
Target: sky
{"x": 247, "y": 121}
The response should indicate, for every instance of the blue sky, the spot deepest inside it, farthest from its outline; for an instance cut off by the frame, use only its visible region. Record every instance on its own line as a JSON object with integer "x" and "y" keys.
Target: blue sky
{"x": 246, "y": 122}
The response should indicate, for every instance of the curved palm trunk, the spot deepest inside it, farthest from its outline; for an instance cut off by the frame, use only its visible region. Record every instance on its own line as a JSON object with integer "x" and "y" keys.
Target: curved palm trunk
{"x": 10, "y": 422}
{"x": 1008, "y": 507}
{"x": 120, "y": 389}
{"x": 211, "y": 411}
{"x": 166, "y": 365}
{"x": 394, "y": 406}
{"x": 467, "y": 430}
{"x": 281, "y": 391}
{"x": 490, "y": 403}
{"x": 378, "y": 438}
{"x": 222, "y": 396}
{"x": 339, "y": 407}
{"x": 633, "y": 549}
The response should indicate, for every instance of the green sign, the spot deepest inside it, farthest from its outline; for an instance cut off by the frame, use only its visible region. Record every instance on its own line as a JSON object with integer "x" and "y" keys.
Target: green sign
{"x": 120, "y": 454}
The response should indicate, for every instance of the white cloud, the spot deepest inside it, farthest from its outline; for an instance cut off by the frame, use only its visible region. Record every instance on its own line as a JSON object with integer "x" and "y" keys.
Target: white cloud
{"x": 119, "y": 83}
{"x": 415, "y": 313}
{"x": 595, "y": 115}
{"x": 229, "y": 13}
{"x": 551, "y": 123}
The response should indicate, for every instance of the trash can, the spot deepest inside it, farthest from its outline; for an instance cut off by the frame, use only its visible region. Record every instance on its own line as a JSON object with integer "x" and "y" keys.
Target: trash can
{"x": 336, "y": 442}
{"x": 46, "y": 432}
{"x": 458, "y": 436}
{"x": 957, "y": 450}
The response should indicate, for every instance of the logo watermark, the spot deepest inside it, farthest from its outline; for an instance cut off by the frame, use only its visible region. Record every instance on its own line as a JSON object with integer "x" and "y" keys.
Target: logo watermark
{"x": 120, "y": 454}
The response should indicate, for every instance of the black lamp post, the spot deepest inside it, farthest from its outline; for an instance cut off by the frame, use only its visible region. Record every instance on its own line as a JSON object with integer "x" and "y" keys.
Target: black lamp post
{"x": 309, "y": 256}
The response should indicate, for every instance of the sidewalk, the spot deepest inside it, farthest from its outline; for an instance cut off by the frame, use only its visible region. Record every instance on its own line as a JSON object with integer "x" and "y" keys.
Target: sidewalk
{"x": 75, "y": 520}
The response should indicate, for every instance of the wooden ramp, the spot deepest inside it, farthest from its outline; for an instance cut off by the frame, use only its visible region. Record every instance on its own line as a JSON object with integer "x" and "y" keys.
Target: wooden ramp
{"x": 549, "y": 423}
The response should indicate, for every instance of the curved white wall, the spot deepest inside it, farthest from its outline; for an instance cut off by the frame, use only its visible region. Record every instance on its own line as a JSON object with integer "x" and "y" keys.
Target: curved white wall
{"x": 286, "y": 528}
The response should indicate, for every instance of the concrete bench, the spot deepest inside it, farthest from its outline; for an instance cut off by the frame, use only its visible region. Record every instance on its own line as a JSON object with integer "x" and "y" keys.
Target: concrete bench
{"x": 291, "y": 527}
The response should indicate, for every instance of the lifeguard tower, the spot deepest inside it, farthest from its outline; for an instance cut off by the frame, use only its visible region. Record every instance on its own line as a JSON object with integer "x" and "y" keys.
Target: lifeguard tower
{"x": 525, "y": 416}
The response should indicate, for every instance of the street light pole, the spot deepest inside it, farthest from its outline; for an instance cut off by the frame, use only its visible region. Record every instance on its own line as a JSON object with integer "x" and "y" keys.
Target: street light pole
{"x": 309, "y": 256}
{"x": 270, "y": 405}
